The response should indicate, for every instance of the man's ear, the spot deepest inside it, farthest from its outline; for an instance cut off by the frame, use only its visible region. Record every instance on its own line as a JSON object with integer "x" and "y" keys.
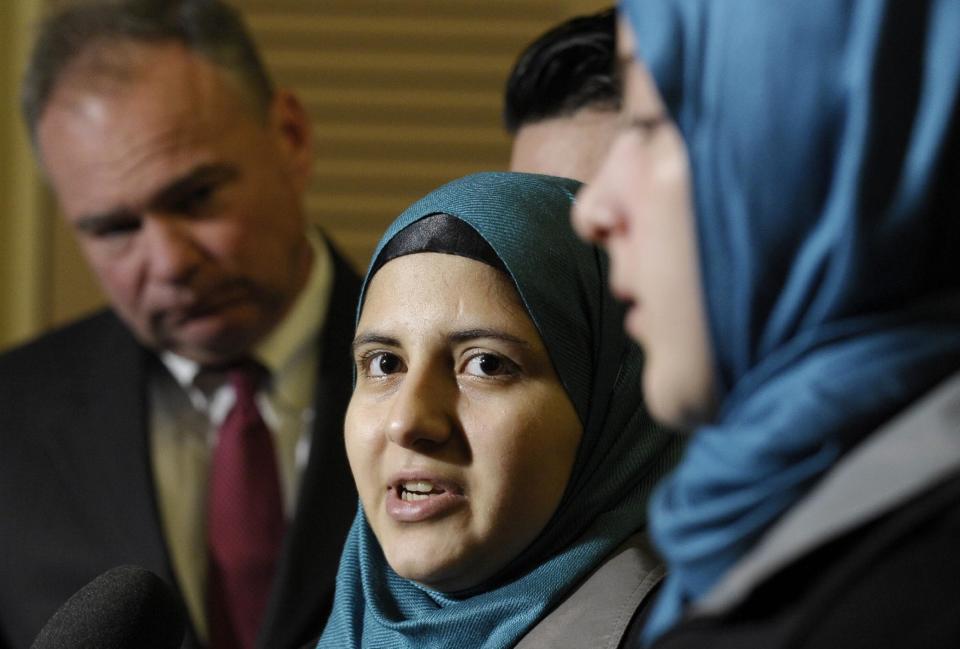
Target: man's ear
{"x": 290, "y": 124}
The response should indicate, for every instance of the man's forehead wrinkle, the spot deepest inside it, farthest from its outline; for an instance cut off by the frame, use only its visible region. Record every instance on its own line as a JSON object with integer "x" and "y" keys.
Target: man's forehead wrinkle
{"x": 157, "y": 150}
{"x": 134, "y": 149}
{"x": 139, "y": 163}
{"x": 169, "y": 70}
{"x": 83, "y": 85}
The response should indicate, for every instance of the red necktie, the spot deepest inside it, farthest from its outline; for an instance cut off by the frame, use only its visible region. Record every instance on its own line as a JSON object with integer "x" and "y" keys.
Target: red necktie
{"x": 245, "y": 522}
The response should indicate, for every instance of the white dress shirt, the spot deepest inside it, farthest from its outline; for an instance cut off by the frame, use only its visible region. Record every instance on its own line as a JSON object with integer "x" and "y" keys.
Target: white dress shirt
{"x": 188, "y": 405}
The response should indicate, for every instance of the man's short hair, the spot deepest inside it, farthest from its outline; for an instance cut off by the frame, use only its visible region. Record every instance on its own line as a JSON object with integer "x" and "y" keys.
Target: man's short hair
{"x": 210, "y": 28}
{"x": 568, "y": 68}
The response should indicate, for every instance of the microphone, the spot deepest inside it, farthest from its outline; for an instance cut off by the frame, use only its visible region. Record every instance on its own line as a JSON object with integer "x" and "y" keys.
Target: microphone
{"x": 124, "y": 608}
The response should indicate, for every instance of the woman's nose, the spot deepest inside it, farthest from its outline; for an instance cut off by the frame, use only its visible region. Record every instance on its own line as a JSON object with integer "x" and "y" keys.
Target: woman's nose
{"x": 593, "y": 217}
{"x": 422, "y": 410}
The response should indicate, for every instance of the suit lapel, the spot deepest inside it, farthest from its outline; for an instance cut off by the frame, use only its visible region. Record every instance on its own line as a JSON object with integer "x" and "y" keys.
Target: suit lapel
{"x": 304, "y": 585}
{"x": 115, "y": 459}
{"x": 110, "y": 461}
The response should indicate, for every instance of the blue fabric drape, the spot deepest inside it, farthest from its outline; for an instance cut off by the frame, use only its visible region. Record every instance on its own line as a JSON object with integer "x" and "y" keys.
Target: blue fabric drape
{"x": 525, "y": 219}
{"x": 823, "y": 145}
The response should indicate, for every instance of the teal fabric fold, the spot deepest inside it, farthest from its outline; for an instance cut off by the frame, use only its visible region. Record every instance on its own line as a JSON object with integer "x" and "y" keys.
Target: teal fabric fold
{"x": 561, "y": 281}
{"x": 823, "y": 143}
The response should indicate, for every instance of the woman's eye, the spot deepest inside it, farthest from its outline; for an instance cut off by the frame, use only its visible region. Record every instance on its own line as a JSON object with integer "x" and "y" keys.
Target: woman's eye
{"x": 489, "y": 365}
{"x": 383, "y": 364}
{"x": 645, "y": 125}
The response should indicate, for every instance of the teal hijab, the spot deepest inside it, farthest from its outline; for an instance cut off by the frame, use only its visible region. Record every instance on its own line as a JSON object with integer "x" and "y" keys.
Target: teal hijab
{"x": 525, "y": 220}
{"x": 823, "y": 144}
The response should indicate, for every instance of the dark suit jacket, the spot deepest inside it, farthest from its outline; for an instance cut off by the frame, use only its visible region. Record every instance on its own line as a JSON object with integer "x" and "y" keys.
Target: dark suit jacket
{"x": 77, "y": 493}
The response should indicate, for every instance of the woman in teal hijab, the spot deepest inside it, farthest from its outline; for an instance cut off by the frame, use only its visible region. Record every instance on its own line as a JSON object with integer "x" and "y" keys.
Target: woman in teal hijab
{"x": 785, "y": 200}
{"x": 501, "y": 450}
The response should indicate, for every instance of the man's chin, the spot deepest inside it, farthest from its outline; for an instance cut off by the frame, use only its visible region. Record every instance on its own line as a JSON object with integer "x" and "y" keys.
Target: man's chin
{"x": 209, "y": 341}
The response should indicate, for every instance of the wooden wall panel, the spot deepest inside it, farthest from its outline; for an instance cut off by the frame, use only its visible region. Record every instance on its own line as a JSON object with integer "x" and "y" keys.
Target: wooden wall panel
{"x": 405, "y": 95}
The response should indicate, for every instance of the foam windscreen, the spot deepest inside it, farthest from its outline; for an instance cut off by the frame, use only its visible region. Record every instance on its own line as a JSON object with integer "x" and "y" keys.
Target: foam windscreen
{"x": 123, "y": 608}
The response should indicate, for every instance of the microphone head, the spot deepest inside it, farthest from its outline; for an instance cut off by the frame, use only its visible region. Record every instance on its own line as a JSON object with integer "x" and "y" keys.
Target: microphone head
{"x": 123, "y": 608}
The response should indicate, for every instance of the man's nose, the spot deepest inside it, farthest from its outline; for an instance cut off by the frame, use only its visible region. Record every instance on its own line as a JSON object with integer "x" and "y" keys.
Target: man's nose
{"x": 422, "y": 411}
{"x": 172, "y": 253}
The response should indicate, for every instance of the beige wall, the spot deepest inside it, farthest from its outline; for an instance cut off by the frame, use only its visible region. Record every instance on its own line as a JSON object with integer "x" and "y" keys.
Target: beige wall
{"x": 23, "y": 231}
{"x": 390, "y": 145}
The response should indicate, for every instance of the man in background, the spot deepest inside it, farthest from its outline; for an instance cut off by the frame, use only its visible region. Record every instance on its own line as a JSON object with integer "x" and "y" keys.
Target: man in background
{"x": 563, "y": 97}
{"x": 195, "y": 427}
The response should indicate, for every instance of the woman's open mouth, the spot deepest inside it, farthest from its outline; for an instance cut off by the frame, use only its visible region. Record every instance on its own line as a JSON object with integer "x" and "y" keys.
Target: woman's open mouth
{"x": 418, "y": 490}
{"x": 422, "y": 498}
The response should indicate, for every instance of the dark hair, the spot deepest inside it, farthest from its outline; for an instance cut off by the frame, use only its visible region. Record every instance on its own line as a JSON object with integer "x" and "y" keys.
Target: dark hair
{"x": 570, "y": 67}
{"x": 210, "y": 28}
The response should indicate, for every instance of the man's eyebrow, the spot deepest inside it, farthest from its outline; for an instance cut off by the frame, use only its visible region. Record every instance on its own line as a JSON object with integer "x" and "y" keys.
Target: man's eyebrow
{"x": 94, "y": 223}
{"x": 200, "y": 176}
{"x": 179, "y": 189}
{"x": 373, "y": 338}
{"x": 496, "y": 334}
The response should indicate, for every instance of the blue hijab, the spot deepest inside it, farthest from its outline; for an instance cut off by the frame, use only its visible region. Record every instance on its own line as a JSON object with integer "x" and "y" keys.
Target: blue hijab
{"x": 525, "y": 220}
{"x": 822, "y": 137}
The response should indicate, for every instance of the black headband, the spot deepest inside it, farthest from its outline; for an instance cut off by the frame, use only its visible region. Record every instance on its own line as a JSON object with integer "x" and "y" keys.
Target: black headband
{"x": 438, "y": 233}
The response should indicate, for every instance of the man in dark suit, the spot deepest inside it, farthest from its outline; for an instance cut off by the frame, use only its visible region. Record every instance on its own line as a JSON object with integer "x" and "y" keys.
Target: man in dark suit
{"x": 195, "y": 428}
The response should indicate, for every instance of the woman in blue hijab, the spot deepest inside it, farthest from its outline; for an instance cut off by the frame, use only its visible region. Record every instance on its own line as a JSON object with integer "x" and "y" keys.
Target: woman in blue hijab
{"x": 781, "y": 210}
{"x": 502, "y": 453}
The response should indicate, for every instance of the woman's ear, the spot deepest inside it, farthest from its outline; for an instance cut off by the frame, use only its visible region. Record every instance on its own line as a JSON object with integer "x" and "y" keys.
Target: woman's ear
{"x": 290, "y": 124}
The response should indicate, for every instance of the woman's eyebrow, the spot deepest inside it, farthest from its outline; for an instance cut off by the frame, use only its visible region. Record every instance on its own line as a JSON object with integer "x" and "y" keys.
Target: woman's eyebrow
{"x": 374, "y": 338}
{"x": 472, "y": 334}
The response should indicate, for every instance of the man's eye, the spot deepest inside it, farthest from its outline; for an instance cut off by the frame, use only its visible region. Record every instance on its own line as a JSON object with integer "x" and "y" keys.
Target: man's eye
{"x": 195, "y": 200}
{"x": 382, "y": 364}
{"x": 487, "y": 364}
{"x": 115, "y": 229}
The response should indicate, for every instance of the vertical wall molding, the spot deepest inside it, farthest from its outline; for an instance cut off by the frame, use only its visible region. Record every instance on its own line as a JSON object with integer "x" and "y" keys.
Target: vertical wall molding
{"x": 24, "y": 219}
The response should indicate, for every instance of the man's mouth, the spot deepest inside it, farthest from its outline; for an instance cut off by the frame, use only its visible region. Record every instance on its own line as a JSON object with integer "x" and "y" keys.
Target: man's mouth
{"x": 201, "y": 307}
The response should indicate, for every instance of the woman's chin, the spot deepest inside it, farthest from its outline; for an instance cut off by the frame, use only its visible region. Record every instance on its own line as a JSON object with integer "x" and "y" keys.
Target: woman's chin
{"x": 430, "y": 574}
{"x": 669, "y": 400}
